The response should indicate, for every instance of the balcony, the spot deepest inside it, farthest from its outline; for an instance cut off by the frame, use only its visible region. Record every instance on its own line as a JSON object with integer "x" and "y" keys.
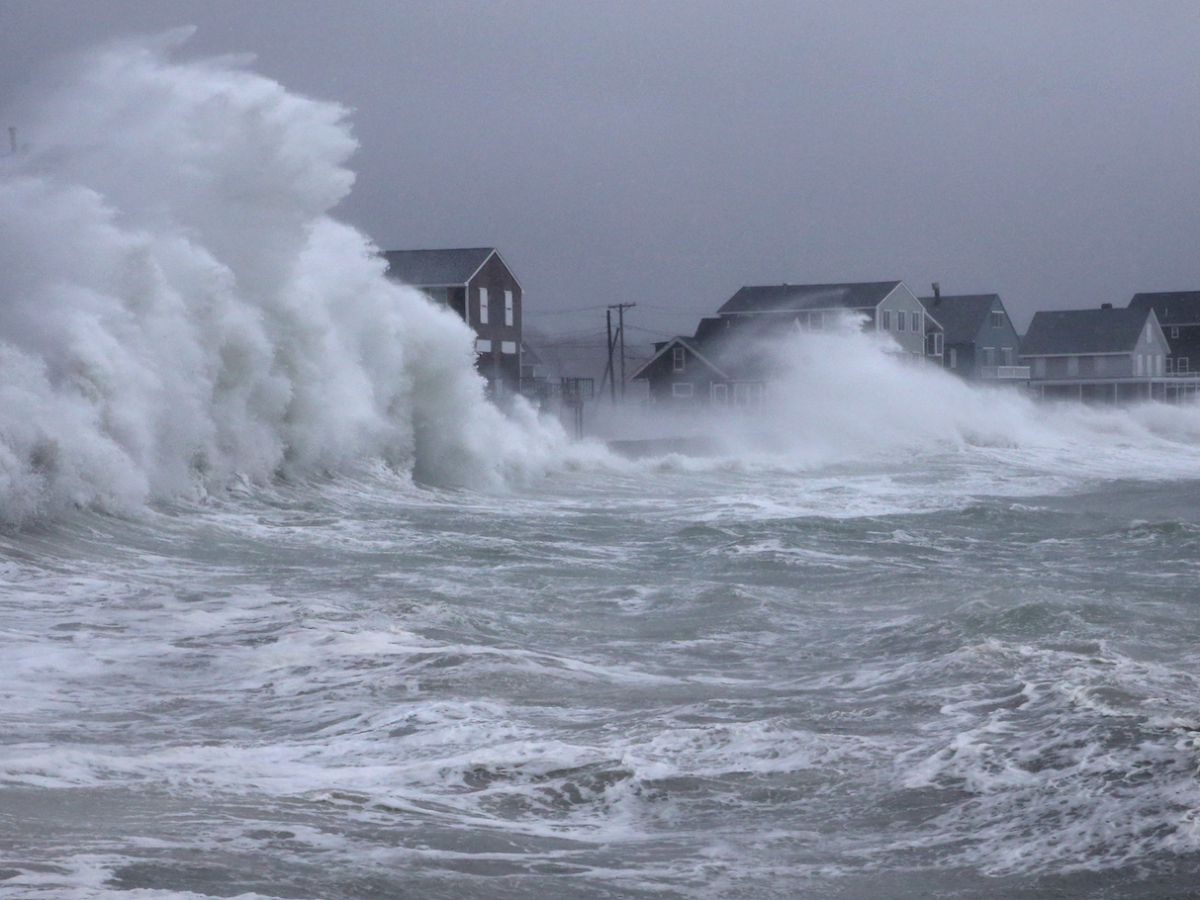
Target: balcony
{"x": 1004, "y": 373}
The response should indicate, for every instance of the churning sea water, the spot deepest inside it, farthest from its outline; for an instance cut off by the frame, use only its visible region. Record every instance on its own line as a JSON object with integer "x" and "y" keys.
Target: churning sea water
{"x": 288, "y": 610}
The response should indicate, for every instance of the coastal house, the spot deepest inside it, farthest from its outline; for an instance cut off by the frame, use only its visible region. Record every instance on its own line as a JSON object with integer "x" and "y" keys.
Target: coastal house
{"x": 477, "y": 285}
{"x": 980, "y": 342}
{"x": 702, "y": 370}
{"x": 728, "y": 360}
{"x": 1101, "y": 354}
{"x": 1178, "y": 313}
{"x": 884, "y": 306}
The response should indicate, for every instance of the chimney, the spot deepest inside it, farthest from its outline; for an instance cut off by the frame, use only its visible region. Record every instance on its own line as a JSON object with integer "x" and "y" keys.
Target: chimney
{"x": 1106, "y": 306}
{"x": 937, "y": 293}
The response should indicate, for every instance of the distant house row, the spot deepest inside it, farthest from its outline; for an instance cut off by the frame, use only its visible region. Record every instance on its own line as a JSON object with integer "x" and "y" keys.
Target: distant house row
{"x": 1094, "y": 354}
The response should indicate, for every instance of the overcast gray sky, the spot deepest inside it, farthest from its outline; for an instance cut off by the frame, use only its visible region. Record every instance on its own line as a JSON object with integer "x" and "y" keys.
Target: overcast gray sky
{"x": 667, "y": 153}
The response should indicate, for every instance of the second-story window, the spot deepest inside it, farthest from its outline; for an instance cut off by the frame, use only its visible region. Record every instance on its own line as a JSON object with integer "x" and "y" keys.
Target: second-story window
{"x": 678, "y": 359}
{"x": 1174, "y": 331}
{"x": 997, "y": 319}
{"x": 483, "y": 306}
{"x": 508, "y": 307}
{"x": 901, "y": 321}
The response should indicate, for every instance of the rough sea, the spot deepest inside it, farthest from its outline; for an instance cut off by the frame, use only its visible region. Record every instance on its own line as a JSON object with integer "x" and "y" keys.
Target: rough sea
{"x": 289, "y": 610}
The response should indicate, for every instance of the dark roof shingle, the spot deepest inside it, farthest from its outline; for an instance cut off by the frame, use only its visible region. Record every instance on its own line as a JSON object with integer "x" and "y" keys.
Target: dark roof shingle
{"x": 1171, "y": 307}
{"x": 797, "y": 297}
{"x": 436, "y": 268}
{"x": 1073, "y": 331}
{"x": 960, "y": 316}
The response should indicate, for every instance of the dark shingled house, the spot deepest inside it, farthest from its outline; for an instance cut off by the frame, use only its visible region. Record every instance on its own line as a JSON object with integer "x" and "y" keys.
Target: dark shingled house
{"x": 980, "y": 340}
{"x": 476, "y": 284}
{"x": 885, "y": 305}
{"x": 1178, "y": 314}
{"x": 1096, "y": 354}
{"x": 727, "y": 363}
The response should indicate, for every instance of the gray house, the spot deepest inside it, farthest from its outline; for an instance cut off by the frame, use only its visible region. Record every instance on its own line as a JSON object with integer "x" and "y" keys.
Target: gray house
{"x": 980, "y": 342}
{"x": 1096, "y": 354}
{"x": 1178, "y": 314}
{"x": 706, "y": 370}
{"x": 886, "y": 306}
{"x": 476, "y": 284}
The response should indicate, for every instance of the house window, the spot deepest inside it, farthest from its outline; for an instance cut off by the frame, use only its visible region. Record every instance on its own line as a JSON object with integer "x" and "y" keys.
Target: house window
{"x": 483, "y": 306}
{"x": 953, "y": 358}
{"x": 682, "y": 389}
{"x": 1174, "y": 331}
{"x": 885, "y": 319}
{"x": 997, "y": 319}
{"x": 1181, "y": 365}
{"x": 508, "y": 308}
{"x": 508, "y": 346}
{"x": 720, "y": 393}
{"x": 1170, "y": 366}
{"x": 1009, "y": 353}
{"x": 678, "y": 355}
{"x": 916, "y": 321}
{"x": 482, "y": 346}
{"x": 901, "y": 320}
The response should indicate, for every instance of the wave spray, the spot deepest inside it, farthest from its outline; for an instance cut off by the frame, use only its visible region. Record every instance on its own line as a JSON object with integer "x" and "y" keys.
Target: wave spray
{"x": 177, "y": 306}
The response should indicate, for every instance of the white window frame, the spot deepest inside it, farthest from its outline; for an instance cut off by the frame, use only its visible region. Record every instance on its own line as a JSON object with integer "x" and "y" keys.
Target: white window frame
{"x": 508, "y": 346}
{"x": 1181, "y": 365}
{"x": 997, "y": 319}
{"x": 678, "y": 359}
{"x": 719, "y": 392}
{"x": 683, "y": 389}
{"x": 483, "y": 306}
{"x": 508, "y": 307}
{"x": 1174, "y": 331}
{"x": 885, "y": 320}
{"x": 901, "y": 320}
{"x": 483, "y": 345}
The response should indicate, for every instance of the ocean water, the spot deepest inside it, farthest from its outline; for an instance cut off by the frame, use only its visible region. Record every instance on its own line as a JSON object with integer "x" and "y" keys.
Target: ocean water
{"x": 288, "y": 610}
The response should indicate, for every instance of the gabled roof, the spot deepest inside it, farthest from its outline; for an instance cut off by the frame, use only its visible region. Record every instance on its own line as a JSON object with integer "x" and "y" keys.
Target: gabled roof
{"x": 436, "y": 268}
{"x": 1072, "y": 331}
{"x": 690, "y": 344}
{"x": 796, "y": 297}
{"x": 1171, "y": 307}
{"x": 960, "y": 316}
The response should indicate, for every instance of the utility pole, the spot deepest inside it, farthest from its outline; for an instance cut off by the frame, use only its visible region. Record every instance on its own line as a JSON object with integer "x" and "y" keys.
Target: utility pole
{"x": 608, "y": 369}
{"x": 620, "y": 308}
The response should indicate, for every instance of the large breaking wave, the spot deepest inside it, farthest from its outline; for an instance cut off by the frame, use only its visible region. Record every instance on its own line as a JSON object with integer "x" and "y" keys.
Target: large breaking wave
{"x": 177, "y": 306}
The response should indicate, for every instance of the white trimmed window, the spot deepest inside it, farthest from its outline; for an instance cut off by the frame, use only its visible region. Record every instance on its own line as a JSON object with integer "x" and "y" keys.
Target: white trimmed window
{"x": 1181, "y": 364}
{"x": 508, "y": 346}
{"x": 885, "y": 320}
{"x": 483, "y": 306}
{"x": 916, "y": 321}
{"x": 482, "y": 346}
{"x": 997, "y": 319}
{"x": 901, "y": 321}
{"x": 678, "y": 359}
{"x": 683, "y": 389}
{"x": 508, "y": 308}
